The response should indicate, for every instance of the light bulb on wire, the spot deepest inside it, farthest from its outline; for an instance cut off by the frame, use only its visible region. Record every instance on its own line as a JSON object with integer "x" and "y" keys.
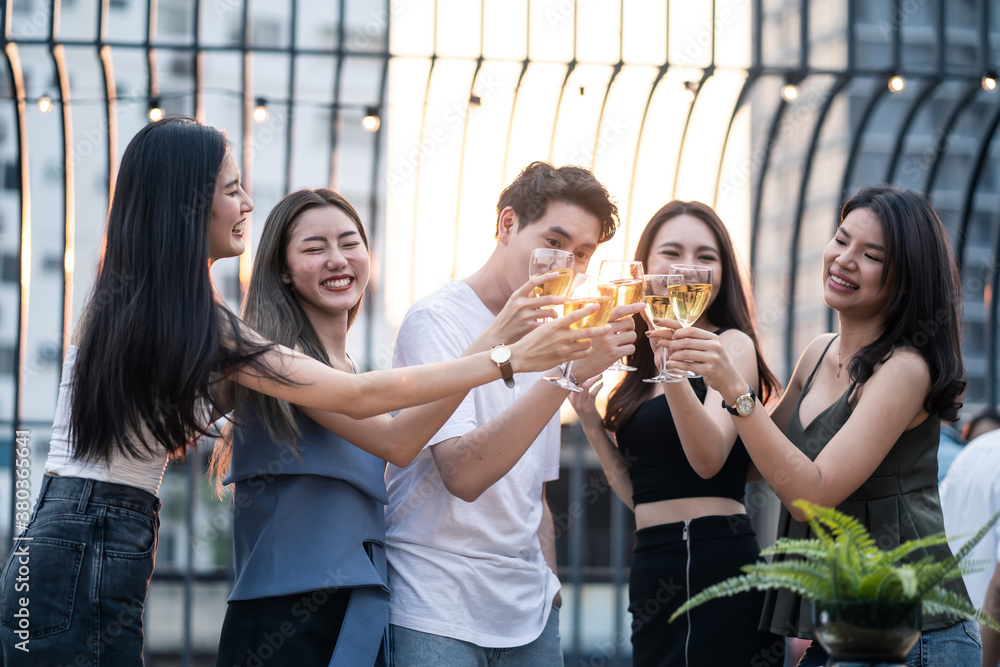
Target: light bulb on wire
{"x": 371, "y": 121}
{"x": 260, "y": 113}
{"x": 155, "y": 110}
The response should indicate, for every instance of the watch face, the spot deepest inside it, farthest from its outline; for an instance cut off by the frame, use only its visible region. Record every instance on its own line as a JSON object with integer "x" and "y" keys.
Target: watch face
{"x": 744, "y": 405}
{"x": 500, "y": 354}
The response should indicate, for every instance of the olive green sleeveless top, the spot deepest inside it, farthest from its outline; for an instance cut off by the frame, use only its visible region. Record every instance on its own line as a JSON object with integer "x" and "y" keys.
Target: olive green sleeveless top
{"x": 899, "y": 502}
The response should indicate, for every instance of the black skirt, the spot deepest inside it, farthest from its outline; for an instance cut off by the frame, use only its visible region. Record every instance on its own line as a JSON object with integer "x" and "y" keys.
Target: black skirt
{"x": 673, "y": 562}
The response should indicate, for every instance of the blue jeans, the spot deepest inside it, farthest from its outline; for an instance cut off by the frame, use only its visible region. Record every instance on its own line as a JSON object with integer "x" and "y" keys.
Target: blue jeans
{"x": 956, "y": 646}
{"x": 74, "y": 586}
{"x": 410, "y": 648}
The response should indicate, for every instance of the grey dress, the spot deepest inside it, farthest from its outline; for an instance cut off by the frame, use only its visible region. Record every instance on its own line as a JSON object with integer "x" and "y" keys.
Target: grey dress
{"x": 899, "y": 502}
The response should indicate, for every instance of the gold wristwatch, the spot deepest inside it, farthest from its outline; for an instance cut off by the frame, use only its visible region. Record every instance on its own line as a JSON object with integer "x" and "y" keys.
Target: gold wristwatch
{"x": 744, "y": 404}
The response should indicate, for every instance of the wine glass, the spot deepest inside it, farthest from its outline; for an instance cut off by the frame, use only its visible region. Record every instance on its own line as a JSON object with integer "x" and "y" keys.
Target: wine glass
{"x": 656, "y": 293}
{"x": 690, "y": 288}
{"x": 551, "y": 260}
{"x": 625, "y": 280}
{"x": 586, "y": 290}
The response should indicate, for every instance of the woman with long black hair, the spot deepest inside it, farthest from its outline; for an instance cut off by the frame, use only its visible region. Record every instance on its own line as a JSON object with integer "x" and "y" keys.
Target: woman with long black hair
{"x": 153, "y": 361}
{"x": 859, "y": 424}
{"x": 676, "y": 460}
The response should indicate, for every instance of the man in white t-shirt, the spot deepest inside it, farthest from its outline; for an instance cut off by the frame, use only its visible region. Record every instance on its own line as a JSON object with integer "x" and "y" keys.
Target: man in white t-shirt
{"x": 471, "y": 542}
{"x": 970, "y": 496}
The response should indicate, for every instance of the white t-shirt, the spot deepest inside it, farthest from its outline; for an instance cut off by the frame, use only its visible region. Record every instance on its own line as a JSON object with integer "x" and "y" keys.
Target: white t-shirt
{"x": 143, "y": 472}
{"x": 469, "y": 571}
{"x": 970, "y": 496}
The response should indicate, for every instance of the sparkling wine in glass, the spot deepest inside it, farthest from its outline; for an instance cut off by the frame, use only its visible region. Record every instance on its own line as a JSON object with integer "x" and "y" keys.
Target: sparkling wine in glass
{"x": 690, "y": 288}
{"x": 551, "y": 260}
{"x": 621, "y": 279}
{"x": 656, "y": 293}
{"x": 585, "y": 292}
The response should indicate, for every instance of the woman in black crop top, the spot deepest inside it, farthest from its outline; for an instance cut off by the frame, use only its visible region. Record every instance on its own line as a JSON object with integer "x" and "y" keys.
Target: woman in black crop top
{"x": 859, "y": 424}
{"x": 679, "y": 465}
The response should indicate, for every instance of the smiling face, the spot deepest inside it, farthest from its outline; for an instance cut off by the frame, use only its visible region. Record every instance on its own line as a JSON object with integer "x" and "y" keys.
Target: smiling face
{"x": 564, "y": 226}
{"x": 684, "y": 239}
{"x": 230, "y": 206}
{"x": 853, "y": 265}
{"x": 326, "y": 262}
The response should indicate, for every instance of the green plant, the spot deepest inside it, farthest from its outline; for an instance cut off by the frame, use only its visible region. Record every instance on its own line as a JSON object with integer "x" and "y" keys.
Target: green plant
{"x": 843, "y": 563}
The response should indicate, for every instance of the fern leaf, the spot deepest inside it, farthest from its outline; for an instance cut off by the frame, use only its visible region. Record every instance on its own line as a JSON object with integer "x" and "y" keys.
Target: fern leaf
{"x": 942, "y": 601}
{"x": 907, "y": 548}
{"x": 931, "y": 582}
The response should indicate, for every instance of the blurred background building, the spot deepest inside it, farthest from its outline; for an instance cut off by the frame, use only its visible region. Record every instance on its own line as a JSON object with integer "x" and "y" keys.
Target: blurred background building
{"x": 420, "y": 112}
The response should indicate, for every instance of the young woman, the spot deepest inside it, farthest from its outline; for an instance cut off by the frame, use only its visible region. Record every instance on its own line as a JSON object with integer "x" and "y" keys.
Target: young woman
{"x": 858, "y": 425}
{"x": 310, "y": 273}
{"x": 680, "y": 466}
{"x": 152, "y": 363}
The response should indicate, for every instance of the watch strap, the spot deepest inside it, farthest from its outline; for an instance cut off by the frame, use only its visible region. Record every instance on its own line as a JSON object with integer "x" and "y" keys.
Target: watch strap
{"x": 506, "y": 370}
{"x": 732, "y": 408}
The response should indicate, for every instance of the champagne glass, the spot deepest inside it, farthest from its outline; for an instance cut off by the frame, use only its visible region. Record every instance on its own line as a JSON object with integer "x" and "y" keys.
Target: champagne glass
{"x": 586, "y": 291}
{"x": 621, "y": 279}
{"x": 656, "y": 293}
{"x": 690, "y": 287}
{"x": 551, "y": 260}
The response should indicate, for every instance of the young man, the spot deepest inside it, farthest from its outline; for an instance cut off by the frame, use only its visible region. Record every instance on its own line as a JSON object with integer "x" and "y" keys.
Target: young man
{"x": 471, "y": 542}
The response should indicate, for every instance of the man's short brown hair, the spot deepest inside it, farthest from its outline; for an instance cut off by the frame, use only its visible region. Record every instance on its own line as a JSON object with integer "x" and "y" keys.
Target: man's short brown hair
{"x": 540, "y": 183}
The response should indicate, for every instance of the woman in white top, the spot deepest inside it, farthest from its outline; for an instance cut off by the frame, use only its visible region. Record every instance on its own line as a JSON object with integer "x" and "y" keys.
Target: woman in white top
{"x": 153, "y": 362}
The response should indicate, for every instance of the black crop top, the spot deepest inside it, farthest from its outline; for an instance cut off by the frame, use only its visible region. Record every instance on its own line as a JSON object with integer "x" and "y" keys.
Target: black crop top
{"x": 657, "y": 466}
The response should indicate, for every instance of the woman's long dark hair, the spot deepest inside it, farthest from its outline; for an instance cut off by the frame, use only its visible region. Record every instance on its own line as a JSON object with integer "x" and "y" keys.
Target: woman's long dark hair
{"x": 152, "y": 331}
{"x": 732, "y": 309}
{"x": 272, "y": 309}
{"x": 924, "y": 310}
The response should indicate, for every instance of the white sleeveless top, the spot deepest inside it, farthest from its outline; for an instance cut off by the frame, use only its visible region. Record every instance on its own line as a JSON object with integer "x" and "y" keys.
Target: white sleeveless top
{"x": 144, "y": 473}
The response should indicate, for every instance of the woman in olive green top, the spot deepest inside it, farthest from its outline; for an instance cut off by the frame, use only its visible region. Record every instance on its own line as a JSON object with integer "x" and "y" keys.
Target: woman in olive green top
{"x": 858, "y": 425}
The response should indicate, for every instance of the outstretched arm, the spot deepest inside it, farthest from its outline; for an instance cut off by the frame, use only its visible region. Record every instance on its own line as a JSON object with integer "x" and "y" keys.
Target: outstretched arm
{"x": 706, "y": 431}
{"x": 890, "y": 402}
{"x": 612, "y": 461}
{"x": 398, "y": 439}
{"x": 471, "y": 463}
{"x": 312, "y": 384}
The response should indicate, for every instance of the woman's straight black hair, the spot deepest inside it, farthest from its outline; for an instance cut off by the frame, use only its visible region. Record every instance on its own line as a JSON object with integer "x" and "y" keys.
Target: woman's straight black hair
{"x": 924, "y": 310}
{"x": 153, "y": 332}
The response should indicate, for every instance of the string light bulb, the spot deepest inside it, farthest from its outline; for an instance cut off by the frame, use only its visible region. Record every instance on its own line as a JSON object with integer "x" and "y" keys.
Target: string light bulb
{"x": 155, "y": 110}
{"x": 260, "y": 113}
{"x": 371, "y": 121}
{"x": 789, "y": 92}
{"x": 989, "y": 82}
{"x": 690, "y": 89}
{"x": 896, "y": 83}
{"x": 45, "y": 104}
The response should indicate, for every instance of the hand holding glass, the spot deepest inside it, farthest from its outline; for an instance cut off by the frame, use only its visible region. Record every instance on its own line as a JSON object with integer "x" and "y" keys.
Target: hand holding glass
{"x": 551, "y": 260}
{"x": 690, "y": 288}
{"x": 622, "y": 280}
{"x": 656, "y": 292}
{"x": 585, "y": 292}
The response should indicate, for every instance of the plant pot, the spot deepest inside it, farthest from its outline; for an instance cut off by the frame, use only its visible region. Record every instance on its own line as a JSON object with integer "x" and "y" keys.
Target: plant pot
{"x": 866, "y": 632}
